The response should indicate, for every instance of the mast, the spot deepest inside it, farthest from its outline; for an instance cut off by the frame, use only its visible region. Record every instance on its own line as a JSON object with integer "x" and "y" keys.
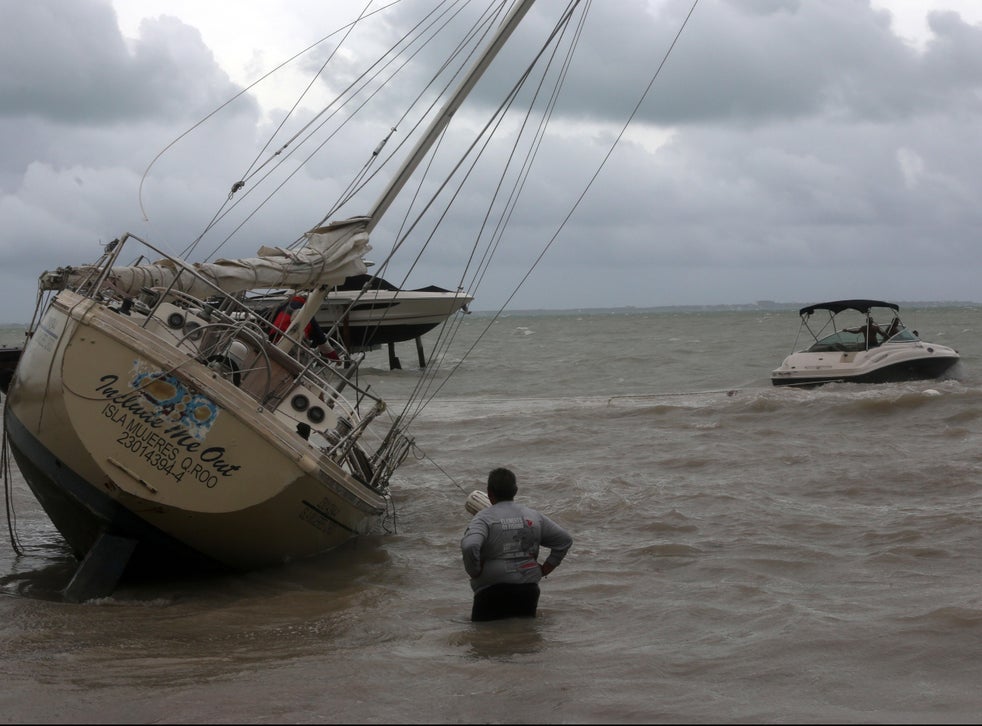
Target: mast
{"x": 450, "y": 107}
{"x": 367, "y": 224}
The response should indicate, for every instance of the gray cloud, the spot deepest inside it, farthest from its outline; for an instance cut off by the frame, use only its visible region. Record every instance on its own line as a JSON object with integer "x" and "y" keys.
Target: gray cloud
{"x": 812, "y": 154}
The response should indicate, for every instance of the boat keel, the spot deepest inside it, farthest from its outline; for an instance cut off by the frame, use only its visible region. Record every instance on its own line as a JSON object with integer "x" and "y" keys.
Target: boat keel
{"x": 101, "y": 569}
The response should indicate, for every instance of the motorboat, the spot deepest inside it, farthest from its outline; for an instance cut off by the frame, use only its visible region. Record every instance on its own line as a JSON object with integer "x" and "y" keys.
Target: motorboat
{"x": 861, "y": 341}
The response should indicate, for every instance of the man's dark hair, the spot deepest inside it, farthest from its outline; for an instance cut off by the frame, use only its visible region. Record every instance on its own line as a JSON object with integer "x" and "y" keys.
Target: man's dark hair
{"x": 501, "y": 483}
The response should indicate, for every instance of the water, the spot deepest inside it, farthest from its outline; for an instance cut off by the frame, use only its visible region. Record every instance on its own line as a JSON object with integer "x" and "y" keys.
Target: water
{"x": 742, "y": 553}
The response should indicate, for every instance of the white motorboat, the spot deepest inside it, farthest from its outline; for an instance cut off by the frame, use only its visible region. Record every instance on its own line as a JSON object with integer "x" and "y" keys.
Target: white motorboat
{"x": 861, "y": 341}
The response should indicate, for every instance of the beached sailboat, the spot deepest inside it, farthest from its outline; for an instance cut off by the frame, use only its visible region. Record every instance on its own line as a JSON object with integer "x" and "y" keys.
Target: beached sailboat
{"x": 164, "y": 423}
{"x": 369, "y": 311}
{"x": 160, "y": 424}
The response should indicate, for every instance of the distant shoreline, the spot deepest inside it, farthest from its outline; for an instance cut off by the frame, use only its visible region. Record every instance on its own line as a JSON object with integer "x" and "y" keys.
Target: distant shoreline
{"x": 761, "y": 306}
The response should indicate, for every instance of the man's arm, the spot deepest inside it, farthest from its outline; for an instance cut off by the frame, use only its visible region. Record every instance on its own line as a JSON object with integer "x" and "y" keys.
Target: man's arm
{"x": 471, "y": 544}
{"x": 558, "y": 540}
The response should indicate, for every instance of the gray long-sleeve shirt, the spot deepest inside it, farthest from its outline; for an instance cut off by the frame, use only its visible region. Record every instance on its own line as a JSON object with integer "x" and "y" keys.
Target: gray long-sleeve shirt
{"x": 501, "y": 545}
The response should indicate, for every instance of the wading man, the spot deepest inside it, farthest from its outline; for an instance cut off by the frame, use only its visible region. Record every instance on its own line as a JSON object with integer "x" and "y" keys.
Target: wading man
{"x": 501, "y": 549}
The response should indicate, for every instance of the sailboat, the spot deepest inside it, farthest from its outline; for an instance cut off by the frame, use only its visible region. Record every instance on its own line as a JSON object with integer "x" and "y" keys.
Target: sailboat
{"x": 163, "y": 423}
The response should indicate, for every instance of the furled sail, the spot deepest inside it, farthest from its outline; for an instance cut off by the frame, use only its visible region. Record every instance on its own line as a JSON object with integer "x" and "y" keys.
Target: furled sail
{"x": 331, "y": 254}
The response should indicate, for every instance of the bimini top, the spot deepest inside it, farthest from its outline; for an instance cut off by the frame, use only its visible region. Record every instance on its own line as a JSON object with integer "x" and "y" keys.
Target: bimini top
{"x": 837, "y": 306}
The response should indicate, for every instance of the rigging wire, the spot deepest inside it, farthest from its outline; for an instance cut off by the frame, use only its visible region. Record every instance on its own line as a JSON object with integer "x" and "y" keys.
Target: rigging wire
{"x": 589, "y": 184}
{"x": 532, "y": 151}
{"x": 606, "y": 158}
{"x": 530, "y": 155}
{"x": 477, "y": 266}
{"x": 372, "y": 74}
{"x": 417, "y": 35}
{"x": 296, "y": 104}
{"x": 475, "y": 36}
{"x": 497, "y": 118}
{"x": 478, "y": 31}
{"x": 421, "y": 34}
{"x": 255, "y": 167}
{"x": 234, "y": 98}
{"x": 222, "y": 212}
{"x": 406, "y": 418}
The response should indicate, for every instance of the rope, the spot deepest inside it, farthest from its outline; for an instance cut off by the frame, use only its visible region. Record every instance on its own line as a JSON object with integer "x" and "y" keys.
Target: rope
{"x": 9, "y": 495}
{"x": 422, "y": 455}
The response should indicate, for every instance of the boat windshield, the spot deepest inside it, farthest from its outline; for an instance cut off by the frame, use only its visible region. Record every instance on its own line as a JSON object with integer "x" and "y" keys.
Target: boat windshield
{"x": 848, "y": 341}
{"x": 841, "y": 340}
{"x": 904, "y": 336}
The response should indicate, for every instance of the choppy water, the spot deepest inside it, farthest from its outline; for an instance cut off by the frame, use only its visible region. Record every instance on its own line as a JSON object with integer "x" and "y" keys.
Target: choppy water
{"x": 743, "y": 553}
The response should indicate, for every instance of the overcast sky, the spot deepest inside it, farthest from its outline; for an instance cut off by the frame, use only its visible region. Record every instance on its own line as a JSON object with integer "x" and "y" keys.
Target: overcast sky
{"x": 791, "y": 150}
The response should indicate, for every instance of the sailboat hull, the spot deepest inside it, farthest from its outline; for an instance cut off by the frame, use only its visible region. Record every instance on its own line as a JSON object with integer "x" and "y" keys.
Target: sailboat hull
{"x": 81, "y": 513}
{"x": 368, "y": 325}
{"x": 116, "y": 433}
{"x": 367, "y": 319}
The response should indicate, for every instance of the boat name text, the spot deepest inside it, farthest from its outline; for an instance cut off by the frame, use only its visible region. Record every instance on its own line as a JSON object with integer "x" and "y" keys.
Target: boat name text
{"x": 168, "y": 446}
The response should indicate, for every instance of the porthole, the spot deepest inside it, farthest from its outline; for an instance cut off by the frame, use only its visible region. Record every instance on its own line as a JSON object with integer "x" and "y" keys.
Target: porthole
{"x": 175, "y": 320}
{"x": 299, "y": 402}
{"x": 316, "y": 415}
{"x": 193, "y": 331}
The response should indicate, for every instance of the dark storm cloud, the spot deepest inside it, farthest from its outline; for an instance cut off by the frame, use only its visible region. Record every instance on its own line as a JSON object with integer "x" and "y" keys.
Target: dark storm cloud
{"x": 785, "y": 151}
{"x": 67, "y": 63}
